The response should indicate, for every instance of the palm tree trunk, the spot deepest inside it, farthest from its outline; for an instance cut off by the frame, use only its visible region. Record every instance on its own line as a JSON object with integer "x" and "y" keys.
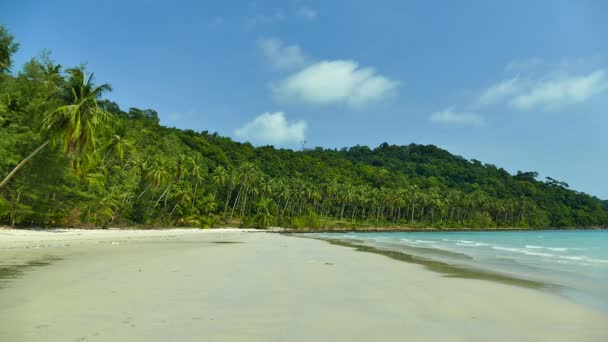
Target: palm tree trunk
{"x": 143, "y": 192}
{"x": 161, "y": 197}
{"x": 285, "y": 207}
{"x": 16, "y": 207}
{"x": 23, "y": 162}
{"x": 228, "y": 197}
{"x": 413, "y": 207}
{"x": 195, "y": 191}
{"x": 174, "y": 207}
{"x": 236, "y": 201}
{"x": 244, "y": 202}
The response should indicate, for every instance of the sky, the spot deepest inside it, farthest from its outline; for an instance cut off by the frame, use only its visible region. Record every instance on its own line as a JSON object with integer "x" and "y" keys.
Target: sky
{"x": 519, "y": 84}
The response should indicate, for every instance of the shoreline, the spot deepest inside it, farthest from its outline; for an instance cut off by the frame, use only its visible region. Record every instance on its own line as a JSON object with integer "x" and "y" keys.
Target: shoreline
{"x": 155, "y": 285}
{"x": 444, "y": 268}
{"x": 457, "y": 263}
{"x": 430, "y": 230}
{"x": 305, "y": 231}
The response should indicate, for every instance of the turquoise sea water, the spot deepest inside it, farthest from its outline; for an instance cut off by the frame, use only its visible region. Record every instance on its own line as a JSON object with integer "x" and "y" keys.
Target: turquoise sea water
{"x": 573, "y": 263}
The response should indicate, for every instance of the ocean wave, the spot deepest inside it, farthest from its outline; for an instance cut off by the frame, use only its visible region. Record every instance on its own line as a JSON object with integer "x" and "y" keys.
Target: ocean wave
{"x": 555, "y": 249}
{"x": 519, "y": 250}
{"x": 420, "y": 249}
{"x": 582, "y": 258}
{"x": 474, "y": 244}
{"x": 534, "y": 247}
{"x": 417, "y": 242}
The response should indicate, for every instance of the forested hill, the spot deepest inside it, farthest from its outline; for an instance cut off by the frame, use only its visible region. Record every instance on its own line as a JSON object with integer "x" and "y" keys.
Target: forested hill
{"x": 94, "y": 164}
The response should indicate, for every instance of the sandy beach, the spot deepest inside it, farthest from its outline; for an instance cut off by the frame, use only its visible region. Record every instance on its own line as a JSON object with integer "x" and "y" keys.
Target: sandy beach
{"x": 243, "y": 285}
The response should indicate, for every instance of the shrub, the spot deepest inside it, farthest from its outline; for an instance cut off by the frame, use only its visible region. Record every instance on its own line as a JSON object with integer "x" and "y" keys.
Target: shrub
{"x": 310, "y": 220}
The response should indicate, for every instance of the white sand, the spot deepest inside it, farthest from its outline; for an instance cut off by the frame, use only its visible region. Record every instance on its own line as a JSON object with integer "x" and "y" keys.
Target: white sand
{"x": 179, "y": 285}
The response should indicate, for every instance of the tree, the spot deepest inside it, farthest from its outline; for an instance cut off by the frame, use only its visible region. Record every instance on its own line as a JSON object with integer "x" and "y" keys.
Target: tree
{"x": 122, "y": 178}
{"x": 8, "y": 47}
{"x": 76, "y": 124}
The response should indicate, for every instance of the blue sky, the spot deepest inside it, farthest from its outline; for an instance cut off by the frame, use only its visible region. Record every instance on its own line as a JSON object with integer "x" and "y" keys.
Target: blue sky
{"x": 519, "y": 84}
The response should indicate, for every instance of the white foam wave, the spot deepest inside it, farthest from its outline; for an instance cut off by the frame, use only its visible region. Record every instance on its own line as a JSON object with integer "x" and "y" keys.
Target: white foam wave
{"x": 416, "y": 242}
{"x": 582, "y": 258}
{"x": 475, "y": 244}
{"x": 555, "y": 249}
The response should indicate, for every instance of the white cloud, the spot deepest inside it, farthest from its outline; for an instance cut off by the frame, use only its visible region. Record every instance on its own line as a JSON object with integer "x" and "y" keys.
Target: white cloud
{"x": 558, "y": 93}
{"x": 281, "y": 56}
{"x": 273, "y": 128}
{"x": 450, "y": 117}
{"x": 500, "y": 91}
{"x": 307, "y": 13}
{"x": 552, "y": 90}
{"x": 336, "y": 82}
{"x": 535, "y": 85}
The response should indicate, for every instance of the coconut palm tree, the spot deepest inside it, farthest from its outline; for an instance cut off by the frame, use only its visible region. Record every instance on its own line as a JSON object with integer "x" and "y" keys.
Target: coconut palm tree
{"x": 196, "y": 175}
{"x": 118, "y": 146}
{"x": 76, "y": 124}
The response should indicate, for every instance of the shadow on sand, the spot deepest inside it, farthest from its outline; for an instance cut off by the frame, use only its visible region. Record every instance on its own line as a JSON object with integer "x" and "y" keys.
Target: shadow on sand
{"x": 9, "y": 272}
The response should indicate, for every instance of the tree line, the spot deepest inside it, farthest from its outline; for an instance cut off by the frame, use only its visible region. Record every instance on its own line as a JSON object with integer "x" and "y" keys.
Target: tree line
{"x": 71, "y": 157}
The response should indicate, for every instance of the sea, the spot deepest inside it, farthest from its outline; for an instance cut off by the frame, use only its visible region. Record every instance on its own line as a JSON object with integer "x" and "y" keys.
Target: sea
{"x": 570, "y": 263}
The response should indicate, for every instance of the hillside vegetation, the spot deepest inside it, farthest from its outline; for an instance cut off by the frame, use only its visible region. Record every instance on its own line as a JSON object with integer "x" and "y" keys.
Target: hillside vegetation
{"x": 95, "y": 164}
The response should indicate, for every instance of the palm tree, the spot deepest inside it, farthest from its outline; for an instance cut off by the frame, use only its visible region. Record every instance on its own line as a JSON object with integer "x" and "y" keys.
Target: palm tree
{"x": 196, "y": 173}
{"x": 183, "y": 197}
{"x": 157, "y": 173}
{"x": 207, "y": 204}
{"x": 118, "y": 146}
{"x": 247, "y": 174}
{"x": 264, "y": 218}
{"x": 76, "y": 124}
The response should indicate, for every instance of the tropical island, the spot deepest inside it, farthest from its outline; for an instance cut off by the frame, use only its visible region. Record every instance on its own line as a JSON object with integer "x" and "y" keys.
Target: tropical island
{"x": 70, "y": 157}
{"x": 303, "y": 171}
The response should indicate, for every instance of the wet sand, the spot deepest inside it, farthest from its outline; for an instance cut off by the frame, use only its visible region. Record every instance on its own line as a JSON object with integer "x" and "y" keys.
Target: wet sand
{"x": 231, "y": 285}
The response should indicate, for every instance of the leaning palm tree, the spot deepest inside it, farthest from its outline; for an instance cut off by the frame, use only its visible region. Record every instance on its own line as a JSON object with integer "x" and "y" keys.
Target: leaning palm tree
{"x": 76, "y": 124}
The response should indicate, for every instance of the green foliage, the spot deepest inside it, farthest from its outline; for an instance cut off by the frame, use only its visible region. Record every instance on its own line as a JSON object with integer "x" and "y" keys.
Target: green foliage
{"x": 78, "y": 122}
{"x": 3, "y": 206}
{"x": 264, "y": 217}
{"x": 8, "y": 47}
{"x": 309, "y": 221}
{"x": 131, "y": 171}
